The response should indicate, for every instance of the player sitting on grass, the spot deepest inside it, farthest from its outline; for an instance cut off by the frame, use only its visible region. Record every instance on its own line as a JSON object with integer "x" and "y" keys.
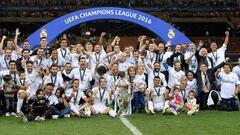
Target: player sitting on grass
{"x": 74, "y": 95}
{"x": 101, "y": 96}
{"x": 158, "y": 95}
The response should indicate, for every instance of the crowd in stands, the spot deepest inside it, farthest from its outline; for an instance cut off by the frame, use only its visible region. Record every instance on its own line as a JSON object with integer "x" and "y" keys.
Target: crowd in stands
{"x": 122, "y": 3}
{"x": 86, "y": 78}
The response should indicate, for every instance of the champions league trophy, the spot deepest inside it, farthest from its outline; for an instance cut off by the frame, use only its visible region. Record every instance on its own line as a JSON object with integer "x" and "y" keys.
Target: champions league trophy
{"x": 43, "y": 33}
{"x": 101, "y": 69}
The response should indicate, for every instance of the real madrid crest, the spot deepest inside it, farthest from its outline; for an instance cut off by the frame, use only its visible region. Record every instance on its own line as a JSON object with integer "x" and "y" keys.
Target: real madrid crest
{"x": 171, "y": 34}
{"x": 43, "y": 33}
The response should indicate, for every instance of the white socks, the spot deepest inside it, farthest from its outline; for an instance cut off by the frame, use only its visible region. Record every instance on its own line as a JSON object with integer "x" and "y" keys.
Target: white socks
{"x": 112, "y": 113}
{"x": 19, "y": 105}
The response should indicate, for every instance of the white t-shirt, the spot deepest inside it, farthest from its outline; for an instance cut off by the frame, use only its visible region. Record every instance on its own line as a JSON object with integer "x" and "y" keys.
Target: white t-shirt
{"x": 193, "y": 63}
{"x": 84, "y": 77}
{"x": 236, "y": 70}
{"x": 35, "y": 81}
{"x": 151, "y": 57}
{"x": 191, "y": 85}
{"x": 228, "y": 84}
{"x": 15, "y": 76}
{"x": 100, "y": 94}
{"x": 59, "y": 62}
{"x": 158, "y": 94}
{"x": 174, "y": 76}
{"x": 4, "y": 63}
{"x": 218, "y": 56}
{"x": 78, "y": 95}
{"x": 123, "y": 66}
{"x": 39, "y": 62}
{"x": 64, "y": 54}
{"x": 57, "y": 81}
{"x": 152, "y": 74}
{"x": 52, "y": 99}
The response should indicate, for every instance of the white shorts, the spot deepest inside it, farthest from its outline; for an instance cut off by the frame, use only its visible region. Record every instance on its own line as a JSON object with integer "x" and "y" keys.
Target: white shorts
{"x": 99, "y": 107}
{"x": 158, "y": 106}
{"x": 74, "y": 108}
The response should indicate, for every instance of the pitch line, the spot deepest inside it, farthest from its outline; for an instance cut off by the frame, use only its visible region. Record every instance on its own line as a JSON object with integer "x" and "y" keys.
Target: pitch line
{"x": 130, "y": 126}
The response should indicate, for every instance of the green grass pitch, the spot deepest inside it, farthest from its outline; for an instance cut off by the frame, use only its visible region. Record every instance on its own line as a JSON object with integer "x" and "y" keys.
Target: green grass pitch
{"x": 204, "y": 123}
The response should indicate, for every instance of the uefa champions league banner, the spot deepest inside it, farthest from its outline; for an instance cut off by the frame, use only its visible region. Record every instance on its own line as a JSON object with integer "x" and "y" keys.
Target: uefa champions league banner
{"x": 163, "y": 30}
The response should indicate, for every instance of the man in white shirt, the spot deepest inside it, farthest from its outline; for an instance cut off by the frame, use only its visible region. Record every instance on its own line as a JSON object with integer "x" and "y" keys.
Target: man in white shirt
{"x": 74, "y": 96}
{"x": 123, "y": 65}
{"x": 218, "y": 55}
{"x": 175, "y": 74}
{"x": 191, "y": 59}
{"x": 55, "y": 59}
{"x": 229, "y": 88}
{"x": 152, "y": 73}
{"x": 49, "y": 95}
{"x": 158, "y": 94}
{"x": 98, "y": 55}
{"x": 34, "y": 77}
{"x": 63, "y": 51}
{"x": 162, "y": 56}
{"x": 83, "y": 74}
{"x": 51, "y": 98}
{"x": 55, "y": 77}
{"x": 5, "y": 59}
{"x": 136, "y": 60}
{"x": 39, "y": 60}
{"x": 11, "y": 71}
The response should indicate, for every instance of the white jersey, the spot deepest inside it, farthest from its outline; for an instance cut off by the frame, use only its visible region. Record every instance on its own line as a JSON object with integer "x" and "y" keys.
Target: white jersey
{"x": 59, "y": 62}
{"x": 192, "y": 101}
{"x": 15, "y": 76}
{"x": 152, "y": 74}
{"x": 84, "y": 77}
{"x": 64, "y": 54}
{"x": 101, "y": 95}
{"x": 174, "y": 77}
{"x": 78, "y": 95}
{"x": 228, "y": 84}
{"x": 123, "y": 66}
{"x": 158, "y": 94}
{"x": 151, "y": 57}
{"x": 193, "y": 63}
{"x": 39, "y": 63}
{"x": 52, "y": 99}
{"x": 218, "y": 56}
{"x": 236, "y": 70}
{"x": 191, "y": 85}
{"x": 96, "y": 58}
{"x": 56, "y": 80}
{"x": 4, "y": 63}
{"x": 35, "y": 82}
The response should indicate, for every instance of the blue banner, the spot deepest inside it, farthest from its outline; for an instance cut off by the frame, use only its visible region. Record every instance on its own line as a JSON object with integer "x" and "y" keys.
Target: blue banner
{"x": 163, "y": 30}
